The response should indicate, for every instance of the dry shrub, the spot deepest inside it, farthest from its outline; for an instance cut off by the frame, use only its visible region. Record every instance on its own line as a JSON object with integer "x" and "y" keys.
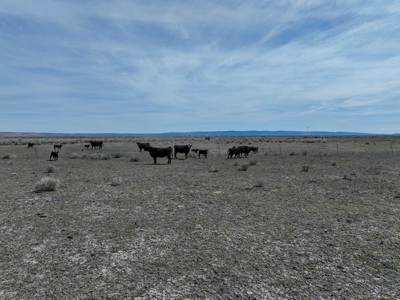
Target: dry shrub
{"x": 47, "y": 184}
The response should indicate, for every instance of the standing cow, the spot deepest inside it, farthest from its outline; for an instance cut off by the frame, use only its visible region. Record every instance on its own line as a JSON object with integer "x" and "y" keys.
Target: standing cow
{"x": 159, "y": 152}
{"x": 182, "y": 149}
{"x": 96, "y": 144}
{"x": 54, "y": 155}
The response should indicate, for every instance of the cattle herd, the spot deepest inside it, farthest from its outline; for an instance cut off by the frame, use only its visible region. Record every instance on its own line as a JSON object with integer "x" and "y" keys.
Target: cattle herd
{"x": 234, "y": 152}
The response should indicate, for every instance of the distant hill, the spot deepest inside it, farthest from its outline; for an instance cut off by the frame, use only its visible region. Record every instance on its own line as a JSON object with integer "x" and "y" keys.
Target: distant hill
{"x": 193, "y": 133}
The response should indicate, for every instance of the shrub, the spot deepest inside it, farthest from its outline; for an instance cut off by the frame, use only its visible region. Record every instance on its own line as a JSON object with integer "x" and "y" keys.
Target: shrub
{"x": 104, "y": 156}
{"x": 47, "y": 184}
{"x": 8, "y": 156}
{"x": 305, "y": 153}
{"x": 253, "y": 162}
{"x": 259, "y": 183}
{"x": 243, "y": 167}
{"x": 236, "y": 164}
{"x": 117, "y": 155}
{"x": 213, "y": 169}
{"x": 333, "y": 164}
{"x": 134, "y": 159}
{"x": 94, "y": 156}
{"x": 75, "y": 155}
{"x": 116, "y": 181}
{"x": 305, "y": 168}
{"x": 50, "y": 169}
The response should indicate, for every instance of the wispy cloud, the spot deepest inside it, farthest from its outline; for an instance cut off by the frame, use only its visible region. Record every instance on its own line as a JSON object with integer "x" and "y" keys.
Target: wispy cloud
{"x": 153, "y": 66}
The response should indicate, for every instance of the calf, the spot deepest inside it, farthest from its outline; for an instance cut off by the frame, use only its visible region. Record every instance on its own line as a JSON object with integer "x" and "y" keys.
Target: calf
{"x": 57, "y": 147}
{"x": 142, "y": 145}
{"x": 54, "y": 155}
{"x": 30, "y": 145}
{"x": 159, "y": 152}
{"x": 204, "y": 152}
{"x": 182, "y": 149}
{"x": 87, "y": 146}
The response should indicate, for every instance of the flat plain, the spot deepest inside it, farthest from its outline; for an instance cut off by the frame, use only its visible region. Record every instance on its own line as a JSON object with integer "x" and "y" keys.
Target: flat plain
{"x": 304, "y": 218}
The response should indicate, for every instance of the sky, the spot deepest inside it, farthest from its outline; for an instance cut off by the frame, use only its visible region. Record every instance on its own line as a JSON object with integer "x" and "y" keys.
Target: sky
{"x": 153, "y": 66}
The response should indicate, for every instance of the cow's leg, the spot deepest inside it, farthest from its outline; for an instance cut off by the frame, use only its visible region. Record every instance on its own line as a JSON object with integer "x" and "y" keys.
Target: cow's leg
{"x": 169, "y": 159}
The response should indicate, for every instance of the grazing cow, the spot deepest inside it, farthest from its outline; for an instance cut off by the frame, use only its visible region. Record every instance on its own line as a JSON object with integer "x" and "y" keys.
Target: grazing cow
{"x": 95, "y": 144}
{"x": 159, "y": 152}
{"x": 238, "y": 151}
{"x": 254, "y": 149}
{"x": 142, "y": 145}
{"x": 87, "y": 146}
{"x": 182, "y": 149}
{"x": 54, "y": 155}
{"x": 30, "y": 145}
{"x": 204, "y": 152}
{"x": 57, "y": 147}
{"x": 207, "y": 138}
{"x": 245, "y": 150}
{"x": 195, "y": 150}
{"x": 233, "y": 151}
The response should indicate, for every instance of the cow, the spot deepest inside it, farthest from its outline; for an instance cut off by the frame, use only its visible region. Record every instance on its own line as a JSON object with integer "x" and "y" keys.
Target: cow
{"x": 142, "y": 145}
{"x": 87, "y": 146}
{"x": 204, "y": 152}
{"x": 96, "y": 144}
{"x": 207, "y": 138}
{"x": 182, "y": 149}
{"x": 54, "y": 155}
{"x": 254, "y": 149}
{"x": 57, "y": 147}
{"x": 30, "y": 145}
{"x": 195, "y": 150}
{"x": 159, "y": 152}
{"x": 233, "y": 151}
{"x": 245, "y": 150}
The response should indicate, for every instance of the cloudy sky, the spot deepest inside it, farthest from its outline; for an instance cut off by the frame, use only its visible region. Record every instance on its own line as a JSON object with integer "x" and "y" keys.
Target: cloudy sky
{"x": 151, "y": 66}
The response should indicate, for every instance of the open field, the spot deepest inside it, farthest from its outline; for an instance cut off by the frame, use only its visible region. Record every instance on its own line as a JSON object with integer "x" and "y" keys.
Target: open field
{"x": 310, "y": 218}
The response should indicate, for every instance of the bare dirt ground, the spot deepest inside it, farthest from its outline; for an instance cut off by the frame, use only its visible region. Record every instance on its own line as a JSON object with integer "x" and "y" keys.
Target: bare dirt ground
{"x": 119, "y": 227}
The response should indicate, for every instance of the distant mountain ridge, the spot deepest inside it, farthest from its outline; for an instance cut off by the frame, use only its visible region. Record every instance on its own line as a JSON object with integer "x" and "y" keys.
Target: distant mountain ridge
{"x": 195, "y": 133}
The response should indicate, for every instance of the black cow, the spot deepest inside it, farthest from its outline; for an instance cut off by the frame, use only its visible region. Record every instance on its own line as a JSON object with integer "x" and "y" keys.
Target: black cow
{"x": 159, "y": 152}
{"x": 204, "y": 152}
{"x": 87, "y": 146}
{"x": 57, "y": 147}
{"x": 95, "y": 145}
{"x": 245, "y": 150}
{"x": 30, "y": 145}
{"x": 182, "y": 149}
{"x": 233, "y": 151}
{"x": 254, "y": 149}
{"x": 142, "y": 145}
{"x": 54, "y": 155}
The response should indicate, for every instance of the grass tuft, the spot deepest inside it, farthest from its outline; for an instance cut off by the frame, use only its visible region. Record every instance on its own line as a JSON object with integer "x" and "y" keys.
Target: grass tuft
{"x": 244, "y": 167}
{"x": 8, "y": 156}
{"x": 134, "y": 159}
{"x": 50, "y": 169}
{"x": 213, "y": 169}
{"x": 47, "y": 184}
{"x": 75, "y": 155}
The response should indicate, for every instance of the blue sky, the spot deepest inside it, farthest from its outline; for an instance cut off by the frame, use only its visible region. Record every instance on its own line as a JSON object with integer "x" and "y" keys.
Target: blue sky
{"x": 152, "y": 66}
